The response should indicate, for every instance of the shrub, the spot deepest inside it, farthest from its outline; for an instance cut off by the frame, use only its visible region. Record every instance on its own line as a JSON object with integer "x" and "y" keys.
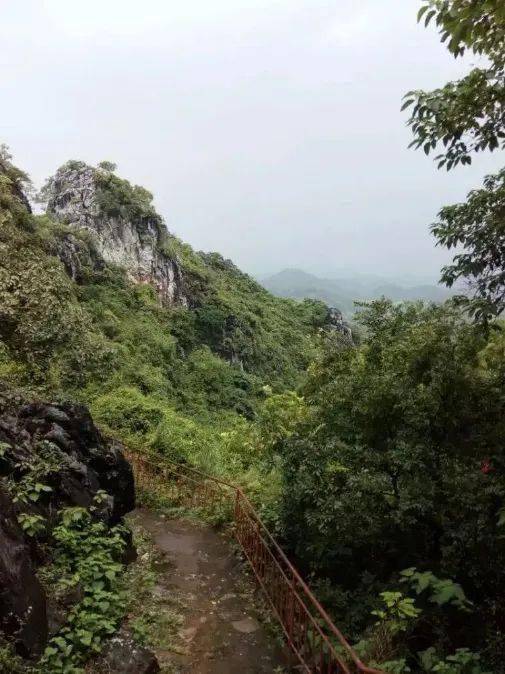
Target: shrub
{"x": 127, "y": 410}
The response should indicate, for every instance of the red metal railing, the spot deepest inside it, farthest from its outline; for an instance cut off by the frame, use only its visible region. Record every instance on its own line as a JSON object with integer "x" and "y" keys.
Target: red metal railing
{"x": 318, "y": 645}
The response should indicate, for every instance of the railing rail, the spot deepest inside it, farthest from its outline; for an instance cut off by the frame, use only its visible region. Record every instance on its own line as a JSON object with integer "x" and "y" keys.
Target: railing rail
{"x": 317, "y": 643}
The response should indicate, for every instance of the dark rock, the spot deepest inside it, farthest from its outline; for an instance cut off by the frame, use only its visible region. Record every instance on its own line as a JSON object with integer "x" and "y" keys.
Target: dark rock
{"x": 56, "y": 414}
{"x": 59, "y": 436}
{"x": 89, "y": 462}
{"x": 80, "y": 462}
{"x": 335, "y": 321}
{"x": 23, "y": 616}
{"x": 122, "y": 655}
{"x": 78, "y": 257}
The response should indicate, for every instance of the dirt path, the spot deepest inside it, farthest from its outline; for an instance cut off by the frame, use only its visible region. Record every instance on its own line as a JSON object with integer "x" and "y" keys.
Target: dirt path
{"x": 221, "y": 633}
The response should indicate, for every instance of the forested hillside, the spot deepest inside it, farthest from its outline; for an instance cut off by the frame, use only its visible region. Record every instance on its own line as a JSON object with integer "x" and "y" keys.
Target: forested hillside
{"x": 77, "y": 326}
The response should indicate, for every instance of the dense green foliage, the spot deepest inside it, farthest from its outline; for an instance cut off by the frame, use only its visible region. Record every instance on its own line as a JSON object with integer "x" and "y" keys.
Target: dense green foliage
{"x": 399, "y": 464}
{"x": 87, "y": 554}
{"x": 468, "y": 115}
{"x": 478, "y": 228}
{"x": 465, "y": 117}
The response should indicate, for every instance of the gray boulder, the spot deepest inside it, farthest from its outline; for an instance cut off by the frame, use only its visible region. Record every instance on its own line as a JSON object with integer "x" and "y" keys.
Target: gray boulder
{"x": 335, "y": 321}
{"x": 122, "y": 655}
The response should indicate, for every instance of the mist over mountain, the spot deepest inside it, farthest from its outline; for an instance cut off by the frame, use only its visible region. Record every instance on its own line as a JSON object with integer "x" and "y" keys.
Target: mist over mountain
{"x": 343, "y": 292}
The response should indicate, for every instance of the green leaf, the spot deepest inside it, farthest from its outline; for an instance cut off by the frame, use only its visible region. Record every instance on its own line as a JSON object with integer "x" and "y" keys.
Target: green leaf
{"x": 85, "y": 637}
{"x": 429, "y": 17}
{"x": 443, "y": 595}
{"x": 408, "y": 572}
{"x": 421, "y": 12}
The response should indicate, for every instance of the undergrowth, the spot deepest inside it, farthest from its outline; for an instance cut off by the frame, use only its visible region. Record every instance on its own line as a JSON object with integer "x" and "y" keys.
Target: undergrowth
{"x": 85, "y": 554}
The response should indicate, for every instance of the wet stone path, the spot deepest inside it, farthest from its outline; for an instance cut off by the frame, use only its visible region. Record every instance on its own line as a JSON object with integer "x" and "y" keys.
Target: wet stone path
{"x": 221, "y": 633}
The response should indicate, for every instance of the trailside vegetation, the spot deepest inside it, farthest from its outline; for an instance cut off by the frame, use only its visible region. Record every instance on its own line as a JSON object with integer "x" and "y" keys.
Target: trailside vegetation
{"x": 393, "y": 491}
{"x": 394, "y": 486}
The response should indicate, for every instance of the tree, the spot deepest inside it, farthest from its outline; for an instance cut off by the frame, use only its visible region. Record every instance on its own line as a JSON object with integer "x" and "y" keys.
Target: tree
{"x": 108, "y": 166}
{"x": 459, "y": 119}
{"x": 478, "y": 226}
{"x": 468, "y": 115}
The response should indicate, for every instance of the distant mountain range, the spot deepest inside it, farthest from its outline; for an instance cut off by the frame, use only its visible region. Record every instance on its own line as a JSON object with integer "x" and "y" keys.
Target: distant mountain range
{"x": 343, "y": 292}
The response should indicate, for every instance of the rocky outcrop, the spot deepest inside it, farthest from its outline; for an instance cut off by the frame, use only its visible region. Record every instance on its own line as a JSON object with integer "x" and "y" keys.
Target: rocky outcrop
{"x": 80, "y": 461}
{"x": 124, "y": 226}
{"x": 77, "y": 257}
{"x": 335, "y": 321}
{"x": 123, "y": 656}
{"x": 56, "y": 447}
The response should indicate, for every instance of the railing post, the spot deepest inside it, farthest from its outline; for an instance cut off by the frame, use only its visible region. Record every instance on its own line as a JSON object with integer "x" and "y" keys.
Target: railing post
{"x": 236, "y": 511}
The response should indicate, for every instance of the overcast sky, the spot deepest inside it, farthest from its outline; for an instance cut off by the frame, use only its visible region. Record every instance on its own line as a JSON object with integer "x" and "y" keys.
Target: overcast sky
{"x": 268, "y": 130}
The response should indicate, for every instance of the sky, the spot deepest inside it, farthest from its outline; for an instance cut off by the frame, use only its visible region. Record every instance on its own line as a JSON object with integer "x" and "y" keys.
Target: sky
{"x": 267, "y": 130}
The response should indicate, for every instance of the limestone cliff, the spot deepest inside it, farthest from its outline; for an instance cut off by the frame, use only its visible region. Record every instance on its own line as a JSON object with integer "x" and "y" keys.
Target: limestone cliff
{"x": 124, "y": 226}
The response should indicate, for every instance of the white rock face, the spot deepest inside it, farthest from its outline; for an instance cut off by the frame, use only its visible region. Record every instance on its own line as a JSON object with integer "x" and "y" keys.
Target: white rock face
{"x": 72, "y": 199}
